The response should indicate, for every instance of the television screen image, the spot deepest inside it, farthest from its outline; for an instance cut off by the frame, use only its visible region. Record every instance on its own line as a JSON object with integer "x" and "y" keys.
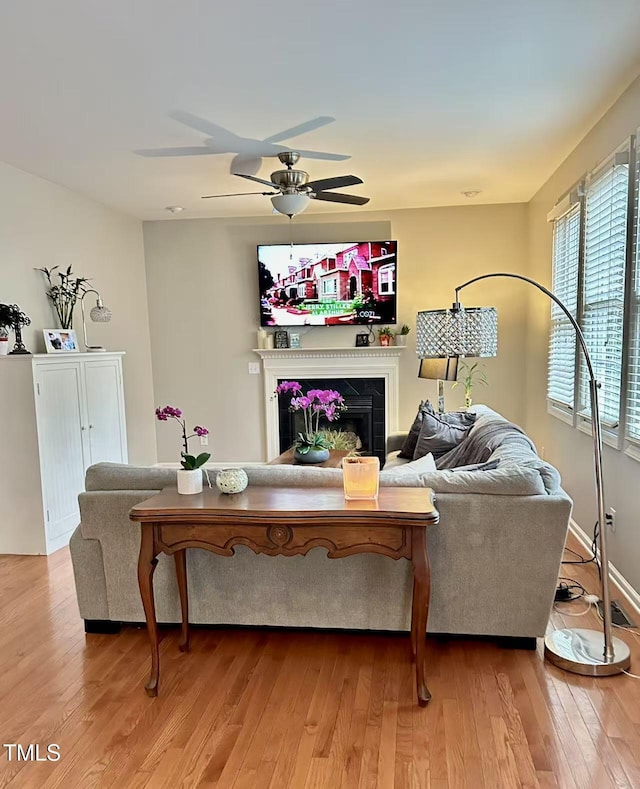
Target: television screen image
{"x": 327, "y": 284}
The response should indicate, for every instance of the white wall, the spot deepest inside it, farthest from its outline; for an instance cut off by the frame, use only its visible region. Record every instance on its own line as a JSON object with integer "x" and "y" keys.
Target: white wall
{"x": 46, "y": 225}
{"x": 203, "y": 308}
{"x": 566, "y": 447}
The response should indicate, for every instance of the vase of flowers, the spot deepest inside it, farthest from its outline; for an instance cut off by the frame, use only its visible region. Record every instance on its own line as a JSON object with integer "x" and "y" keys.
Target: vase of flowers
{"x": 64, "y": 293}
{"x": 190, "y": 475}
{"x": 311, "y": 445}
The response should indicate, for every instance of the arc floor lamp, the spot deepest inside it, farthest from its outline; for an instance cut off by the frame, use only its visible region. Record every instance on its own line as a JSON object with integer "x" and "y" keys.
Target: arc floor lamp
{"x": 474, "y": 332}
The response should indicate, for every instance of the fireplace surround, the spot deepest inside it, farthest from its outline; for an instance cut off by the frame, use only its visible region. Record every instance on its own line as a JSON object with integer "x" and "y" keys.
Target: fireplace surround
{"x": 323, "y": 365}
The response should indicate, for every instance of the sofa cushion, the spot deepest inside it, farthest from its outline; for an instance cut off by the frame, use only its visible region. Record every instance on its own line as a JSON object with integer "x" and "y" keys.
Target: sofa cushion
{"x": 419, "y": 466}
{"x": 116, "y": 476}
{"x": 438, "y": 436}
{"x": 408, "y": 448}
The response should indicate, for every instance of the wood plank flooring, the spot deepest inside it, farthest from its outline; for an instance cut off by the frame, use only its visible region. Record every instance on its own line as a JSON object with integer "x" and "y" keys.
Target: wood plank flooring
{"x": 255, "y": 709}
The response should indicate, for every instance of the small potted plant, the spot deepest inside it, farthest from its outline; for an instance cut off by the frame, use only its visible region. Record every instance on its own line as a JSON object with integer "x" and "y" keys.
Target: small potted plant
{"x": 190, "y": 475}
{"x": 312, "y": 446}
{"x": 385, "y": 336}
{"x": 471, "y": 375}
{"x": 401, "y": 336}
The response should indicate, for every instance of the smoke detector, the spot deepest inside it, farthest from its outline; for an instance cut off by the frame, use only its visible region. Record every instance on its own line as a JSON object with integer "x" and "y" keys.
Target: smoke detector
{"x": 470, "y": 193}
{"x": 174, "y": 209}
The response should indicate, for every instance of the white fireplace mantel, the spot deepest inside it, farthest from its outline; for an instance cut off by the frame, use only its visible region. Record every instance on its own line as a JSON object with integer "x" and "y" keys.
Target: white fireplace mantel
{"x": 293, "y": 363}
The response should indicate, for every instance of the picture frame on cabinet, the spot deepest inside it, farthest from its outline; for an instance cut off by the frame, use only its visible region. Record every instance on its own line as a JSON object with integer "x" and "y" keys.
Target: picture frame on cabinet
{"x": 60, "y": 340}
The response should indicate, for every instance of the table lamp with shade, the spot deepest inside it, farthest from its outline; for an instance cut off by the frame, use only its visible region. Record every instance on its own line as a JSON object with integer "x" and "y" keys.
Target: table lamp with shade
{"x": 98, "y": 314}
{"x": 440, "y": 370}
{"x": 474, "y": 332}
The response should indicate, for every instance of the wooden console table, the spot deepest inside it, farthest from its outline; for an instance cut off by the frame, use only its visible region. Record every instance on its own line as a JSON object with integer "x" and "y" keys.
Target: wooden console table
{"x": 285, "y": 522}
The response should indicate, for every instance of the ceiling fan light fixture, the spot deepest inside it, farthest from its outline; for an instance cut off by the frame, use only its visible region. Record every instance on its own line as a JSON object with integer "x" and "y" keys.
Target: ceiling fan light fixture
{"x": 290, "y": 204}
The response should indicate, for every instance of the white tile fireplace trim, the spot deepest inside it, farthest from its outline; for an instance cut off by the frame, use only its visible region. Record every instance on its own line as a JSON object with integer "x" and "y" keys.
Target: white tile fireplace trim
{"x": 294, "y": 363}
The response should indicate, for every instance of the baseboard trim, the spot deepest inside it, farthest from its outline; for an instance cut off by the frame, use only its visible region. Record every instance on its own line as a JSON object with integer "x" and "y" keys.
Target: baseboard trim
{"x": 617, "y": 579}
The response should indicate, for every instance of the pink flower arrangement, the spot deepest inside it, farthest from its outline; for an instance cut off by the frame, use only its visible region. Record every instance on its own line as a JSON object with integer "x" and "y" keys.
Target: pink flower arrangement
{"x": 315, "y": 404}
{"x": 188, "y": 462}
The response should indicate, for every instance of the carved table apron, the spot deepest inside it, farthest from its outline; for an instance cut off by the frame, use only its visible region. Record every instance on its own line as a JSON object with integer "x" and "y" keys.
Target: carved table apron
{"x": 285, "y": 522}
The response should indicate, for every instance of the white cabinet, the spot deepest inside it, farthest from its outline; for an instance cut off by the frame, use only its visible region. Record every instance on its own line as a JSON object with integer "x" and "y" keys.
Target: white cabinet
{"x": 71, "y": 410}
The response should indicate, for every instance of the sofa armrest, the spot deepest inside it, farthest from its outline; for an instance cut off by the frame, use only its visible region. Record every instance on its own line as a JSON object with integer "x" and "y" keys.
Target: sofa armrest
{"x": 396, "y": 440}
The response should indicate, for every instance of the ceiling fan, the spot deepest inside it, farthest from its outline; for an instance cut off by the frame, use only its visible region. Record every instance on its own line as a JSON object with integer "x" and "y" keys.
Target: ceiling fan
{"x": 294, "y": 190}
{"x": 249, "y": 152}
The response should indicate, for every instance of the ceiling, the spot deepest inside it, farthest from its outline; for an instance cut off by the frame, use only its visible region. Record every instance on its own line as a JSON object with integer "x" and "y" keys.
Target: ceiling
{"x": 431, "y": 97}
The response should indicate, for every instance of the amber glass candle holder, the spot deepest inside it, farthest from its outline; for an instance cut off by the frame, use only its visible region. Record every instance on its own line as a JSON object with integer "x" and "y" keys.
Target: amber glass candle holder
{"x": 361, "y": 476}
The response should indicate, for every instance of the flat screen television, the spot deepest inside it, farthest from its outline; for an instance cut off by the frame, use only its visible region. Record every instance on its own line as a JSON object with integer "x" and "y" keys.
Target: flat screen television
{"x": 340, "y": 284}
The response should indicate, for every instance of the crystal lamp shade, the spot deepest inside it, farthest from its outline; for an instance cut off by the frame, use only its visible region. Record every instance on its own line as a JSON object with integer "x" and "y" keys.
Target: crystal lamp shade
{"x": 457, "y": 332}
{"x": 290, "y": 204}
{"x": 100, "y": 314}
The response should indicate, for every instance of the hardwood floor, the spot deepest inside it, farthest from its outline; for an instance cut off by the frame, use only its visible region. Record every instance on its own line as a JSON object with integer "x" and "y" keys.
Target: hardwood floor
{"x": 254, "y": 708}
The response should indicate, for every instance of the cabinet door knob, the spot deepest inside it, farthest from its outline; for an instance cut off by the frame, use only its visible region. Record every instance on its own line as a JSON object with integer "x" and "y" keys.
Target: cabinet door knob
{"x": 82, "y": 427}
{"x": 90, "y": 427}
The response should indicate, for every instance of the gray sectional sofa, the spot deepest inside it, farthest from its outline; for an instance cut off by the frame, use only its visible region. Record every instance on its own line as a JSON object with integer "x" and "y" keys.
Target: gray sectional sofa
{"x": 495, "y": 554}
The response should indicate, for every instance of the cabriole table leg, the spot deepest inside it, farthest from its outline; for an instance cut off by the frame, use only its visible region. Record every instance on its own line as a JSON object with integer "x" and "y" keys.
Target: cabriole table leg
{"x": 420, "y": 608}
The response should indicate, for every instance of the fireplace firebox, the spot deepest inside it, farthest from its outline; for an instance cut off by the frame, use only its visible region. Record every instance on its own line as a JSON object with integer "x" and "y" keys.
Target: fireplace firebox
{"x": 365, "y": 414}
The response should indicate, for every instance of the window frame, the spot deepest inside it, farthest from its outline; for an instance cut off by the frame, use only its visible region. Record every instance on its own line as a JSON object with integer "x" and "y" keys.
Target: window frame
{"x": 575, "y": 197}
{"x": 611, "y": 435}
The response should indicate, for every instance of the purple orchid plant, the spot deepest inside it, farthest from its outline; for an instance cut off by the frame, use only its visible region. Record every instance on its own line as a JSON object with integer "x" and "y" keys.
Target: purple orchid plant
{"x": 188, "y": 462}
{"x": 315, "y": 404}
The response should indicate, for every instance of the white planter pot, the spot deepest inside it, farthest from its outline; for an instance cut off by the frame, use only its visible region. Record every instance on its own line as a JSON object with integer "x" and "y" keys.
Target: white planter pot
{"x": 4, "y": 346}
{"x": 401, "y": 340}
{"x": 189, "y": 481}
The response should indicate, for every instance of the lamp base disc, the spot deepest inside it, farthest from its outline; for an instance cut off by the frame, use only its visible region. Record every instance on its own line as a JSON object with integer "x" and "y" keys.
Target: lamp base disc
{"x": 95, "y": 349}
{"x": 582, "y": 652}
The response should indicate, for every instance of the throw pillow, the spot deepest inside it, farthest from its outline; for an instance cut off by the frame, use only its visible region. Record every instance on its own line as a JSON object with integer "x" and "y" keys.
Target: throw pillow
{"x": 420, "y": 466}
{"x": 438, "y": 436}
{"x": 409, "y": 446}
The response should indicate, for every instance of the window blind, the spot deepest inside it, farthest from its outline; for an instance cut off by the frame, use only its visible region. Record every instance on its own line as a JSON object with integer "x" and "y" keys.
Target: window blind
{"x": 562, "y": 342}
{"x": 633, "y": 380}
{"x": 603, "y": 288}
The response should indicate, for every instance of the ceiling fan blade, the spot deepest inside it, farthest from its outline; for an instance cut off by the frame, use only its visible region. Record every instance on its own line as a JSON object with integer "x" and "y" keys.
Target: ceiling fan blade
{"x": 334, "y": 183}
{"x": 236, "y": 194}
{"x": 330, "y": 157}
{"x": 199, "y": 150}
{"x": 339, "y": 197}
{"x": 201, "y": 124}
{"x": 301, "y": 128}
{"x": 248, "y": 165}
{"x": 258, "y": 180}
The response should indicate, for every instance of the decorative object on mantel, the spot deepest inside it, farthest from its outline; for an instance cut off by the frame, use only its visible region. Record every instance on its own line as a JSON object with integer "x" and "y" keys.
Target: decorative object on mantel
{"x": 281, "y": 338}
{"x": 60, "y": 341}
{"x": 312, "y": 446}
{"x": 189, "y": 477}
{"x": 232, "y": 480}
{"x": 360, "y": 476}
{"x": 362, "y": 340}
{"x": 11, "y": 316}
{"x": 5, "y": 325}
{"x": 401, "y": 336}
{"x": 294, "y": 340}
{"x": 65, "y": 294}
{"x": 98, "y": 314}
{"x": 471, "y": 375}
{"x": 385, "y": 336}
